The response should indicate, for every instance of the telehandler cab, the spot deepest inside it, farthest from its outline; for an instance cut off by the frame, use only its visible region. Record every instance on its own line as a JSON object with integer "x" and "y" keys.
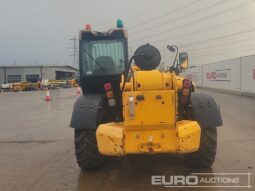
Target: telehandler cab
{"x": 135, "y": 108}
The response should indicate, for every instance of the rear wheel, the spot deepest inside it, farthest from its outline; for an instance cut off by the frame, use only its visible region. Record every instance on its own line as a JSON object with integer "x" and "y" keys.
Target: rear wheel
{"x": 205, "y": 156}
{"x": 87, "y": 154}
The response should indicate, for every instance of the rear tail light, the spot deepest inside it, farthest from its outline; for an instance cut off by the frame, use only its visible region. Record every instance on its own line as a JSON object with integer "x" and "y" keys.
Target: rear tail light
{"x": 187, "y": 83}
{"x": 107, "y": 86}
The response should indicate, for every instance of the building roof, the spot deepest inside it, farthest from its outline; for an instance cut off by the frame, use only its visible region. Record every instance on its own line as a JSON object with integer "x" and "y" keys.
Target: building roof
{"x": 38, "y": 66}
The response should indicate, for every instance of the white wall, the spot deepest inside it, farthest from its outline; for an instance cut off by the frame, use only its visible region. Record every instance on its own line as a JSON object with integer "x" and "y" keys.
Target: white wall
{"x": 48, "y": 73}
{"x": 237, "y": 75}
{"x": 196, "y": 75}
{"x": 223, "y": 75}
{"x": 248, "y": 74}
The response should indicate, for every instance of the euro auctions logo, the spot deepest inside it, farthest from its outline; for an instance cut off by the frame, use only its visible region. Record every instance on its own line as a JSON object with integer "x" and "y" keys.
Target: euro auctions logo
{"x": 173, "y": 181}
{"x": 224, "y": 180}
{"x": 219, "y": 75}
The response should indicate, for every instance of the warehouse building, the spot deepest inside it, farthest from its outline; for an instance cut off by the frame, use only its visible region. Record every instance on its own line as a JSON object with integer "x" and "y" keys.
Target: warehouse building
{"x": 33, "y": 73}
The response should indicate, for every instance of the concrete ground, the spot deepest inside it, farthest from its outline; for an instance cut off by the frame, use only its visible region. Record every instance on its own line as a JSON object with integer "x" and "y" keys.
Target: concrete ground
{"x": 37, "y": 150}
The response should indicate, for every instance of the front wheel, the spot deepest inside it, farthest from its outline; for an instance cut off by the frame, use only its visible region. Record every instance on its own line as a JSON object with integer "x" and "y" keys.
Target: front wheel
{"x": 87, "y": 154}
{"x": 205, "y": 156}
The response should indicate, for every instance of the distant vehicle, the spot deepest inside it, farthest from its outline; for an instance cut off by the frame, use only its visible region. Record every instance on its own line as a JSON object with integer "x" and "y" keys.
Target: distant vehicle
{"x": 20, "y": 86}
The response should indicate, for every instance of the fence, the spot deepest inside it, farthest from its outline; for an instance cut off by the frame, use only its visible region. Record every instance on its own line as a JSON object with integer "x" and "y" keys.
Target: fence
{"x": 235, "y": 75}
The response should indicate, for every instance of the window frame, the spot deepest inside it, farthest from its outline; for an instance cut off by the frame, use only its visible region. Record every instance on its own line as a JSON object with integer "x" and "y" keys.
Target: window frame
{"x": 17, "y": 78}
{"x": 84, "y": 63}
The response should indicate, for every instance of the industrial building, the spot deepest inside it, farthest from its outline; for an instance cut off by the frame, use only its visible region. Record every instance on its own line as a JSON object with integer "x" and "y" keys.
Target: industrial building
{"x": 33, "y": 73}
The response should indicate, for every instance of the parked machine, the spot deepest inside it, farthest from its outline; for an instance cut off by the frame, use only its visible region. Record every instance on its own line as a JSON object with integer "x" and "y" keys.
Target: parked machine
{"x": 23, "y": 86}
{"x": 73, "y": 83}
{"x": 134, "y": 108}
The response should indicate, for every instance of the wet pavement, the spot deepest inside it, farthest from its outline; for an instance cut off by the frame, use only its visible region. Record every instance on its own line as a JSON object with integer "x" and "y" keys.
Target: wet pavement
{"x": 37, "y": 151}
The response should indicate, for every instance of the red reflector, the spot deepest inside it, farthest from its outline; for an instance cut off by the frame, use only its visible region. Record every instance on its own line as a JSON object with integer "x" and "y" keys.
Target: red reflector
{"x": 88, "y": 27}
{"x": 186, "y": 83}
{"x": 107, "y": 86}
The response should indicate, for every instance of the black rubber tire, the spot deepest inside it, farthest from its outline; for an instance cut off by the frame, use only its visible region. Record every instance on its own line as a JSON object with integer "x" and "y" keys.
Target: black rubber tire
{"x": 205, "y": 156}
{"x": 87, "y": 154}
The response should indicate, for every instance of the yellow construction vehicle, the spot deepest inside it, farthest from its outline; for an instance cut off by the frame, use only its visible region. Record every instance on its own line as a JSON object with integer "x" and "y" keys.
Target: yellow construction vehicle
{"x": 73, "y": 83}
{"x": 24, "y": 86}
{"x": 57, "y": 83}
{"x": 134, "y": 108}
{"x": 53, "y": 84}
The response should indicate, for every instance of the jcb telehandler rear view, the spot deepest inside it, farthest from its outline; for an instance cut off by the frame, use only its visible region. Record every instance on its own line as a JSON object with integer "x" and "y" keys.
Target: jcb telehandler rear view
{"x": 134, "y": 108}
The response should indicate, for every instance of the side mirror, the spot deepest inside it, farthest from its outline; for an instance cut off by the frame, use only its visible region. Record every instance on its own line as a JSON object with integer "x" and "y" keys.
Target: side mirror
{"x": 171, "y": 48}
{"x": 183, "y": 60}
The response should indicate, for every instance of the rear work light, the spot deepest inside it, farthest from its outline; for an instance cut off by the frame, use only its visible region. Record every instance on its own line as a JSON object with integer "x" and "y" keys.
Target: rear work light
{"x": 120, "y": 23}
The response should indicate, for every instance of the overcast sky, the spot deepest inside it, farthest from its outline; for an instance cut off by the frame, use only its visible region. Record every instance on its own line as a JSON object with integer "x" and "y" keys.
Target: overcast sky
{"x": 38, "y": 31}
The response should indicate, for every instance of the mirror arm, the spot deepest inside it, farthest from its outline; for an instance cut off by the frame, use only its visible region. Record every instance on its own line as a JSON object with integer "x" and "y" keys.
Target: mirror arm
{"x": 175, "y": 59}
{"x": 173, "y": 68}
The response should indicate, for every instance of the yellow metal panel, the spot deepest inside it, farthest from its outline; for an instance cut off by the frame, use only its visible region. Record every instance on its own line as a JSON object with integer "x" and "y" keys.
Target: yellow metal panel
{"x": 150, "y": 141}
{"x": 167, "y": 81}
{"x": 110, "y": 138}
{"x": 188, "y": 136}
{"x": 156, "y": 109}
{"x": 179, "y": 82}
{"x": 148, "y": 80}
{"x": 152, "y": 80}
{"x": 128, "y": 85}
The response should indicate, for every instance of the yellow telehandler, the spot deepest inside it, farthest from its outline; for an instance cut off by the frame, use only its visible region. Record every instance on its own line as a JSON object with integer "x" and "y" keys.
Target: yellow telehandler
{"x": 129, "y": 106}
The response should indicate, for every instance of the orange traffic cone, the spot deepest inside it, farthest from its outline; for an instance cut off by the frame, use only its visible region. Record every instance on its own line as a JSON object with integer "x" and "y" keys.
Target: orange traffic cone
{"x": 78, "y": 90}
{"x": 47, "y": 98}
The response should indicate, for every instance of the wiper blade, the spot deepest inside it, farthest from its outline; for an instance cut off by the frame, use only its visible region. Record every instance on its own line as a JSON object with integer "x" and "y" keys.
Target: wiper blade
{"x": 91, "y": 57}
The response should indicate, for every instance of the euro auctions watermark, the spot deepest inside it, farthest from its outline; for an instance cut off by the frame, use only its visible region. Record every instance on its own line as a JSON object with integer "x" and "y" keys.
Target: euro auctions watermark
{"x": 198, "y": 180}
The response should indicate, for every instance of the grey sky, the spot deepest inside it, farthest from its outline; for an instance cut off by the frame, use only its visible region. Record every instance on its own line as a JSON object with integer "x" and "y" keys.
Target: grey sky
{"x": 39, "y": 30}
